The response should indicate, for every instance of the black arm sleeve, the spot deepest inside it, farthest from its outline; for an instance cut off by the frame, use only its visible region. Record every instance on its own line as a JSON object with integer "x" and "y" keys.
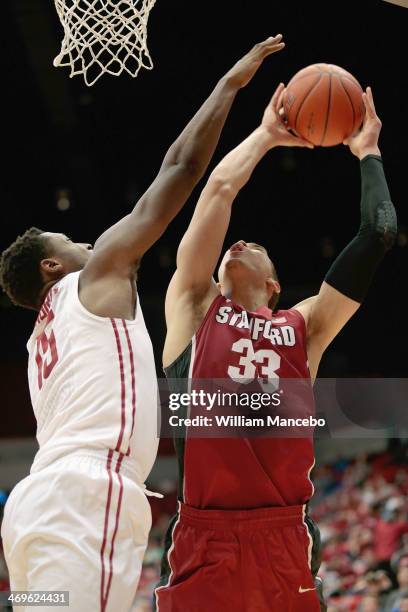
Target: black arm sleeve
{"x": 352, "y": 271}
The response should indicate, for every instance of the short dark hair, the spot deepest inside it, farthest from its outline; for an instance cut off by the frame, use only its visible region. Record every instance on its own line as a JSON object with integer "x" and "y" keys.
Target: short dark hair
{"x": 273, "y": 302}
{"x": 20, "y": 275}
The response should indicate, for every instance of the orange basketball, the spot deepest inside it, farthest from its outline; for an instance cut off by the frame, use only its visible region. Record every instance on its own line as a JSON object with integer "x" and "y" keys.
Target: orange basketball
{"x": 323, "y": 104}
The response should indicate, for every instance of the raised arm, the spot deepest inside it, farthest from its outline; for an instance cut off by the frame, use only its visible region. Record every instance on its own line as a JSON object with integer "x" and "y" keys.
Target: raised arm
{"x": 349, "y": 278}
{"x": 192, "y": 286}
{"x": 121, "y": 247}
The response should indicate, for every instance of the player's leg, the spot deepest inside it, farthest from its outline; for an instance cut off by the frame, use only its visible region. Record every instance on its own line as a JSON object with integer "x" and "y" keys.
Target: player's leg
{"x": 129, "y": 550}
{"x": 278, "y": 558}
{"x": 201, "y": 568}
{"x": 78, "y": 530}
{"x": 15, "y": 559}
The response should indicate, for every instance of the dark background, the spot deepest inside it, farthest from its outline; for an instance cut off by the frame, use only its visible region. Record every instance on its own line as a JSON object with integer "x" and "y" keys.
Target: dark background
{"x": 103, "y": 146}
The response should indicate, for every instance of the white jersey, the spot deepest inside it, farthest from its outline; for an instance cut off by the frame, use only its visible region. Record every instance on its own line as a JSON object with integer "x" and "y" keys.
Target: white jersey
{"x": 92, "y": 382}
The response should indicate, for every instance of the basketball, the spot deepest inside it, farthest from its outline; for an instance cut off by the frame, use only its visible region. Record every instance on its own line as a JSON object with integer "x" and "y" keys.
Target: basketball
{"x": 323, "y": 104}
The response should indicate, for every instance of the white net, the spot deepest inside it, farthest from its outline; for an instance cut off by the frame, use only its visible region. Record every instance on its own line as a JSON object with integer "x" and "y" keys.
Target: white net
{"x": 104, "y": 36}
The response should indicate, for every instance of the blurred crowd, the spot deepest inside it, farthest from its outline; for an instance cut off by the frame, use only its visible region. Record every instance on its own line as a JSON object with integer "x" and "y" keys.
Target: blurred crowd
{"x": 360, "y": 506}
{"x": 361, "y": 509}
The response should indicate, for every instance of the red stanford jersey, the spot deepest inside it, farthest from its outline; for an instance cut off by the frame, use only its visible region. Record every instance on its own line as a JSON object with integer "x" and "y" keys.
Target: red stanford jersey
{"x": 245, "y": 472}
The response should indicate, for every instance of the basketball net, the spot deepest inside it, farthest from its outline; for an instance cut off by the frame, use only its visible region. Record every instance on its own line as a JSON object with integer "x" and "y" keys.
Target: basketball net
{"x": 104, "y": 36}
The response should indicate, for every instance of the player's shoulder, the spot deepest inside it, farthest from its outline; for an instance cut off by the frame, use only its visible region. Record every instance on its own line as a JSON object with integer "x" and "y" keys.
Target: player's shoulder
{"x": 288, "y": 313}
{"x": 57, "y": 291}
{"x": 291, "y": 316}
{"x": 67, "y": 283}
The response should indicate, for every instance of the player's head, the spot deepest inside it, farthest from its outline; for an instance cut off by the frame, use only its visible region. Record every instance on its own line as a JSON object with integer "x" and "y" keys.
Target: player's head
{"x": 35, "y": 261}
{"x": 249, "y": 263}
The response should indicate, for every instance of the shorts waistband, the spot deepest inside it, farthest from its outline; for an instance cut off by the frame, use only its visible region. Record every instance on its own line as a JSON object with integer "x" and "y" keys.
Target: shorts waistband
{"x": 242, "y": 519}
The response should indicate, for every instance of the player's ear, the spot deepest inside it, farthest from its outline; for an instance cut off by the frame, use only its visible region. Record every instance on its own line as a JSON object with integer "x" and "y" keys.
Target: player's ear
{"x": 51, "y": 268}
{"x": 272, "y": 286}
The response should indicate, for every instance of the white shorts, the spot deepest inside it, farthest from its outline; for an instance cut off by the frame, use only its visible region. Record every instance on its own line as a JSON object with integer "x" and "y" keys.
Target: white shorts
{"x": 77, "y": 526}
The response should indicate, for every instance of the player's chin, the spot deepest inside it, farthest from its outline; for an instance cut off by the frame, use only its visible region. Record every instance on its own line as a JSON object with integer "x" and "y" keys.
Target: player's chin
{"x": 233, "y": 264}
{"x": 237, "y": 268}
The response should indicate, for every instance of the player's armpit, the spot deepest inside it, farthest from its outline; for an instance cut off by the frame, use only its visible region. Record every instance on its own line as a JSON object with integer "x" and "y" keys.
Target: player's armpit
{"x": 185, "y": 310}
{"x": 178, "y": 294}
{"x": 326, "y": 314}
{"x": 304, "y": 307}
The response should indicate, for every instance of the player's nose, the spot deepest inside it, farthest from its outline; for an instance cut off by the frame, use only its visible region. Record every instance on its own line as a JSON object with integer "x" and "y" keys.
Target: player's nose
{"x": 238, "y": 246}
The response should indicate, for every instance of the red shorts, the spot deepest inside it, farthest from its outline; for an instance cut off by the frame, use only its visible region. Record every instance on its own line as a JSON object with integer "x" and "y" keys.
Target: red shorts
{"x": 239, "y": 560}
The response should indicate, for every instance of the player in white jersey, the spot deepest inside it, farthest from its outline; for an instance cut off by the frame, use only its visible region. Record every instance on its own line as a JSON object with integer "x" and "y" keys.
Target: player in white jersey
{"x": 80, "y": 521}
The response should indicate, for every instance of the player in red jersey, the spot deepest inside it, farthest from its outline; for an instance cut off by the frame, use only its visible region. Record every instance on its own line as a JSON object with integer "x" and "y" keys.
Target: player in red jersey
{"x": 241, "y": 539}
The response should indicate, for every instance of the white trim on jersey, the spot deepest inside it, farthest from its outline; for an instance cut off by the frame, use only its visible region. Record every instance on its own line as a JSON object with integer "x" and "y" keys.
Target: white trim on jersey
{"x": 278, "y": 320}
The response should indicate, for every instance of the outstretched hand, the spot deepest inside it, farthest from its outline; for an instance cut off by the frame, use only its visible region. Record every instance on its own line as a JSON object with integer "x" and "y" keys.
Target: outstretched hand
{"x": 243, "y": 71}
{"x": 273, "y": 121}
{"x": 365, "y": 141}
